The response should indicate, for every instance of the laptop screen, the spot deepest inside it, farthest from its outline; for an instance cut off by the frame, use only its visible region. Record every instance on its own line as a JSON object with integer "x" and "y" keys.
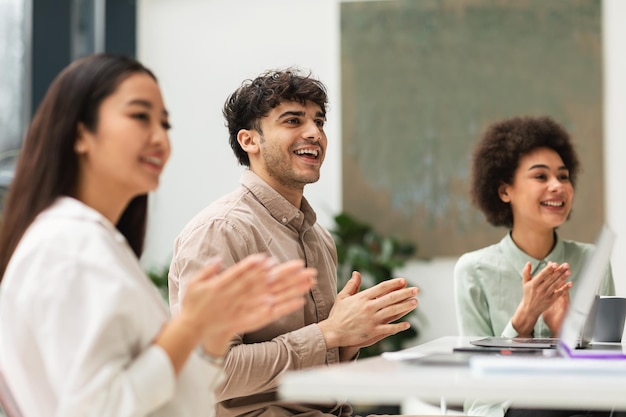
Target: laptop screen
{"x": 592, "y": 274}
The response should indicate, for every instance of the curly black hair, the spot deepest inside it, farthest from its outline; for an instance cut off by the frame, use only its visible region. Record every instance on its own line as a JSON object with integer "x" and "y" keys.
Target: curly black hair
{"x": 256, "y": 98}
{"x": 497, "y": 155}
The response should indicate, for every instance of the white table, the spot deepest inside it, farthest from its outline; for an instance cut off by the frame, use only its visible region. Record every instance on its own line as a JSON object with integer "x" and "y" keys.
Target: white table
{"x": 379, "y": 380}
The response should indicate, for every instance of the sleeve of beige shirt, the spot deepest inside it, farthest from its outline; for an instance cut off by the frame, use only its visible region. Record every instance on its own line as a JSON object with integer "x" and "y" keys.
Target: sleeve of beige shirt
{"x": 257, "y": 367}
{"x": 249, "y": 368}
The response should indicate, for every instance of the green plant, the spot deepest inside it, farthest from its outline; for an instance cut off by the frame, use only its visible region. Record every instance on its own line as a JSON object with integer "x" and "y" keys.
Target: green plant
{"x": 361, "y": 248}
{"x": 158, "y": 276}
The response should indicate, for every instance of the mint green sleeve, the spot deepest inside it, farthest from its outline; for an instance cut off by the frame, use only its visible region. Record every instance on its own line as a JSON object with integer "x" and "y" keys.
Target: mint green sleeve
{"x": 472, "y": 309}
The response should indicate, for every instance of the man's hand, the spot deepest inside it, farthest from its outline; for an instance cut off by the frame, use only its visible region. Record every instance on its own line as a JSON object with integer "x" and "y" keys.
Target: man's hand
{"x": 360, "y": 319}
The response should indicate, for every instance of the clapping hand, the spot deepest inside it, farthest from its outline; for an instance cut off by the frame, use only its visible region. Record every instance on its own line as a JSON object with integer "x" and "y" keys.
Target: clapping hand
{"x": 540, "y": 293}
{"x": 244, "y": 297}
{"x": 360, "y": 319}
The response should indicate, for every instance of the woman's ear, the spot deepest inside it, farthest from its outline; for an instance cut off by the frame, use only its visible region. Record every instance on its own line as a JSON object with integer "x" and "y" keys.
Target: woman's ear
{"x": 80, "y": 144}
{"x": 249, "y": 140}
{"x": 503, "y": 193}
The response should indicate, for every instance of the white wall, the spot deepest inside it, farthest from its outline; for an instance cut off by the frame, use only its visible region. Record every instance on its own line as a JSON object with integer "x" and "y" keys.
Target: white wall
{"x": 614, "y": 13}
{"x": 201, "y": 50}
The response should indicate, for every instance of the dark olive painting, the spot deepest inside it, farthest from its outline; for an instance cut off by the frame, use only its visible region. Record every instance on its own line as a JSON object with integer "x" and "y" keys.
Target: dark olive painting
{"x": 422, "y": 79}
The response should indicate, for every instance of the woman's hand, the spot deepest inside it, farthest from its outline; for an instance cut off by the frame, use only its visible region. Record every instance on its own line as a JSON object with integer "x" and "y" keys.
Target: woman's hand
{"x": 539, "y": 294}
{"x": 221, "y": 302}
{"x": 244, "y": 297}
{"x": 218, "y": 304}
{"x": 553, "y": 316}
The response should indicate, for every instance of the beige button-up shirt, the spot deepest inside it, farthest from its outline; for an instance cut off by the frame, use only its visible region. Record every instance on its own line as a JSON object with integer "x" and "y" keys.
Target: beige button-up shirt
{"x": 257, "y": 219}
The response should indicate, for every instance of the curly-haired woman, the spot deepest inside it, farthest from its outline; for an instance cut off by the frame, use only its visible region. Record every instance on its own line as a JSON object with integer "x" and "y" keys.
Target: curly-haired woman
{"x": 524, "y": 172}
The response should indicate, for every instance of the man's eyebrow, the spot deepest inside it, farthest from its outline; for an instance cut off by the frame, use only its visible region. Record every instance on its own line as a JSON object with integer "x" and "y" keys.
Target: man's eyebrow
{"x": 145, "y": 103}
{"x": 291, "y": 113}
{"x": 300, "y": 113}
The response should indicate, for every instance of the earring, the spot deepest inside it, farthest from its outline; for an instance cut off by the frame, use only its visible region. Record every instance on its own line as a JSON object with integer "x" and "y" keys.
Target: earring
{"x": 79, "y": 147}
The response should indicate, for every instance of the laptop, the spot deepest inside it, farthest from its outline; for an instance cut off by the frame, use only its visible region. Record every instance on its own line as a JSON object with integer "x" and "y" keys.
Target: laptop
{"x": 516, "y": 342}
{"x": 577, "y": 328}
{"x": 534, "y": 343}
{"x": 580, "y": 317}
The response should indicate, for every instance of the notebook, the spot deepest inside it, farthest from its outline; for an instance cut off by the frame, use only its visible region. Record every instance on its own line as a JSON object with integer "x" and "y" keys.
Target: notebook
{"x": 577, "y": 327}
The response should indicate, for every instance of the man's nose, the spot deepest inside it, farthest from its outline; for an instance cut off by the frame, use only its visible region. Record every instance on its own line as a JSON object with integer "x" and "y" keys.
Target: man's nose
{"x": 312, "y": 130}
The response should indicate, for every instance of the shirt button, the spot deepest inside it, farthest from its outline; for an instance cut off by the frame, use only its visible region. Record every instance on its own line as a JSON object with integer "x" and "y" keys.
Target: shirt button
{"x": 284, "y": 220}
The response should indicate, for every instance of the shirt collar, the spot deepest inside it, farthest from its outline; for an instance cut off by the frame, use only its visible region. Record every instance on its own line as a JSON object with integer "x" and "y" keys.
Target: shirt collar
{"x": 518, "y": 258}
{"x": 70, "y": 207}
{"x": 279, "y": 207}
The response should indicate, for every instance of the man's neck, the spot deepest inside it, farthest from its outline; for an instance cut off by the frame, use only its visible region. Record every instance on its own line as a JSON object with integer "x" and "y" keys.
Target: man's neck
{"x": 292, "y": 194}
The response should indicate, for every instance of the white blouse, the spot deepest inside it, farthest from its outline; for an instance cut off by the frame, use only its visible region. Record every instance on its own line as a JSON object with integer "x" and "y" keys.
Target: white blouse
{"x": 77, "y": 320}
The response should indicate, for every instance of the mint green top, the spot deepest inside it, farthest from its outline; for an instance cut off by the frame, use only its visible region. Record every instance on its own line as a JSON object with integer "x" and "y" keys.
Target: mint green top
{"x": 488, "y": 290}
{"x": 488, "y": 285}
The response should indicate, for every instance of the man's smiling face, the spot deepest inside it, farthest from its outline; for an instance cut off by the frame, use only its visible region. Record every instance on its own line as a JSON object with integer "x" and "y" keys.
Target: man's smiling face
{"x": 292, "y": 145}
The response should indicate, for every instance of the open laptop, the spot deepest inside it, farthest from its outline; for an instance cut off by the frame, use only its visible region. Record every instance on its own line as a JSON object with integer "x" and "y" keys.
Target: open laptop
{"x": 577, "y": 327}
{"x": 534, "y": 343}
{"x": 579, "y": 320}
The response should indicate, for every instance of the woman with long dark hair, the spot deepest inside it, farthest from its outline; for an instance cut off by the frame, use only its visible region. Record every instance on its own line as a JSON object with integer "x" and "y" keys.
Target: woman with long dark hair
{"x": 83, "y": 330}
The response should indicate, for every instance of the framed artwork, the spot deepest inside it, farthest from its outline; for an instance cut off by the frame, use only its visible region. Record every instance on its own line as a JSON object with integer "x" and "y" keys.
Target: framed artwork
{"x": 421, "y": 81}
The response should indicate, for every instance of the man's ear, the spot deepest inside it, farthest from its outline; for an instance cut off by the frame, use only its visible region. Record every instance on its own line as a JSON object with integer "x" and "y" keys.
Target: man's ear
{"x": 503, "y": 192}
{"x": 80, "y": 144}
{"x": 249, "y": 140}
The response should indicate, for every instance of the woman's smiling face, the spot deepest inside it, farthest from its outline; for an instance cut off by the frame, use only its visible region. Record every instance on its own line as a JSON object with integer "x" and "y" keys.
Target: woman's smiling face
{"x": 541, "y": 193}
{"x": 129, "y": 147}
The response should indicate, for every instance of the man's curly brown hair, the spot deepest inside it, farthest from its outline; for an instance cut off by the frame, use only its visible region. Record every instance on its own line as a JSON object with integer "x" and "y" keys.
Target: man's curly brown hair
{"x": 497, "y": 155}
{"x": 256, "y": 98}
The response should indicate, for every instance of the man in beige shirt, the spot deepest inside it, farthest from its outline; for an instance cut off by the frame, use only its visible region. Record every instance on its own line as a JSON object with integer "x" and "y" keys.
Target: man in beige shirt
{"x": 276, "y": 129}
